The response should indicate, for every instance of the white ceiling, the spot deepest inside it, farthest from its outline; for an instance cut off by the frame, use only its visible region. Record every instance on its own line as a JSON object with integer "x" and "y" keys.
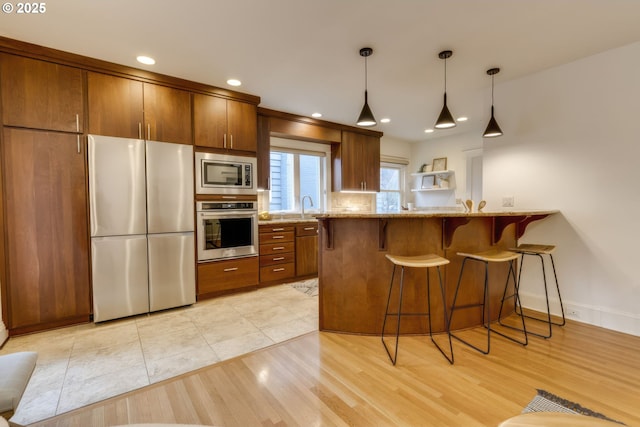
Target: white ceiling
{"x": 301, "y": 56}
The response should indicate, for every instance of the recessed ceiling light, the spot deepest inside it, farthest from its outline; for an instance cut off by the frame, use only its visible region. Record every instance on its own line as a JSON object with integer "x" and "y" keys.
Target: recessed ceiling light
{"x": 428, "y": 131}
{"x": 316, "y": 115}
{"x": 146, "y": 60}
{"x": 385, "y": 120}
{"x": 234, "y": 82}
{"x": 462, "y": 119}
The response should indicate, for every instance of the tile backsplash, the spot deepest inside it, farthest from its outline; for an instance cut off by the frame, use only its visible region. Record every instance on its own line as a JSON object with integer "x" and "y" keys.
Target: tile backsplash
{"x": 339, "y": 202}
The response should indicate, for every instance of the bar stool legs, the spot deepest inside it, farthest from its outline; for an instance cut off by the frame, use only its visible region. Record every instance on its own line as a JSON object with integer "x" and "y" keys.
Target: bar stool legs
{"x": 423, "y": 261}
{"x": 486, "y": 258}
{"x": 539, "y": 251}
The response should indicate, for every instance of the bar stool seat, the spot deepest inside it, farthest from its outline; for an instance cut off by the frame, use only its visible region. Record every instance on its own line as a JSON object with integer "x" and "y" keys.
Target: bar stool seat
{"x": 538, "y": 250}
{"x": 486, "y": 257}
{"x": 418, "y": 261}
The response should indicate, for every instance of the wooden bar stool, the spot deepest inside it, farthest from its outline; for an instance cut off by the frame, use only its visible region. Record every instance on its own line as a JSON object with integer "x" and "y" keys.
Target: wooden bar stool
{"x": 538, "y": 251}
{"x": 420, "y": 261}
{"x": 486, "y": 257}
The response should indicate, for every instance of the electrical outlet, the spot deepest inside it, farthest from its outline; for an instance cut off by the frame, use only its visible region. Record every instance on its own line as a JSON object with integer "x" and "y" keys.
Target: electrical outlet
{"x": 572, "y": 312}
{"x": 507, "y": 202}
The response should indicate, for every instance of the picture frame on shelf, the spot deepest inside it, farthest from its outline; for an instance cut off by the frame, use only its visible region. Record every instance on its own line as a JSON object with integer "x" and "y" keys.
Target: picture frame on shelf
{"x": 428, "y": 181}
{"x": 440, "y": 164}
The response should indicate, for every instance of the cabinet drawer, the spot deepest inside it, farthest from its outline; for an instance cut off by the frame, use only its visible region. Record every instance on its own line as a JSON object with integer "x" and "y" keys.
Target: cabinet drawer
{"x": 275, "y": 228}
{"x": 277, "y": 272}
{"x": 230, "y": 274}
{"x": 277, "y": 248}
{"x": 273, "y": 259}
{"x": 284, "y": 236}
{"x": 310, "y": 229}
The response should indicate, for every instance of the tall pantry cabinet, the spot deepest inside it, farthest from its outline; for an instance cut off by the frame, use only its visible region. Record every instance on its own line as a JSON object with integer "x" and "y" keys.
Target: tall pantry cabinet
{"x": 46, "y": 253}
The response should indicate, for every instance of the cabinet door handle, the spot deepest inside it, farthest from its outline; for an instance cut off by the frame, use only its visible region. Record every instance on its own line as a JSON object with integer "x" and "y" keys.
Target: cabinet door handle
{"x": 277, "y": 229}
{"x": 148, "y": 130}
{"x": 139, "y": 130}
{"x": 226, "y": 270}
{"x": 309, "y": 228}
{"x": 278, "y": 248}
{"x": 78, "y": 142}
{"x": 278, "y": 269}
{"x": 278, "y": 258}
{"x": 278, "y": 237}
{"x": 77, "y": 123}
{"x": 231, "y": 138}
{"x": 224, "y": 141}
{"x": 229, "y": 197}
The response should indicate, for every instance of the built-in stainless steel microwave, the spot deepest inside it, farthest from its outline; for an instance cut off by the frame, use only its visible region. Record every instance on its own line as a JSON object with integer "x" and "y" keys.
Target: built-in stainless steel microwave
{"x": 225, "y": 174}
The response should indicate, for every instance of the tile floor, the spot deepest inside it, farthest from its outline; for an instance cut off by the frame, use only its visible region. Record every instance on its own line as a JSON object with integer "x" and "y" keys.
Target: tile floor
{"x": 83, "y": 364}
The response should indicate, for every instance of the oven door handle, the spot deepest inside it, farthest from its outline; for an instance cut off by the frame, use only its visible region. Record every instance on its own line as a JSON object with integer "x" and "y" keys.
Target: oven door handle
{"x": 228, "y": 214}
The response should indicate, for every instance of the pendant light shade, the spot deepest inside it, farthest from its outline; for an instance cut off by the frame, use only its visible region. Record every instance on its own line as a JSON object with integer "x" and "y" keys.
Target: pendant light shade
{"x": 366, "y": 116}
{"x": 445, "y": 119}
{"x": 493, "y": 129}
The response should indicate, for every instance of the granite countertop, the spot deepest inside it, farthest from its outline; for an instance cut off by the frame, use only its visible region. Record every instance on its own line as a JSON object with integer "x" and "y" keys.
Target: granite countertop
{"x": 435, "y": 214}
{"x": 308, "y": 219}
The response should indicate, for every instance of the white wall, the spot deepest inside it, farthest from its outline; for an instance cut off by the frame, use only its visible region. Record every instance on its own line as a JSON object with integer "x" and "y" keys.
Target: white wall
{"x": 572, "y": 142}
{"x": 456, "y": 148}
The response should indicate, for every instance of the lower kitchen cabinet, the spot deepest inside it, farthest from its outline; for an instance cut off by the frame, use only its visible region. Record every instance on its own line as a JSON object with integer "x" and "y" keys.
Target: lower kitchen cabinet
{"x": 306, "y": 250}
{"x": 46, "y": 238}
{"x": 288, "y": 251}
{"x": 277, "y": 253}
{"x": 217, "y": 277}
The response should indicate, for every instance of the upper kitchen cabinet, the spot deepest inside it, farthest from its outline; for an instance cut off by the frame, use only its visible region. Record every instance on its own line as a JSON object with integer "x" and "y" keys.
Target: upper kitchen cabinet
{"x": 115, "y": 106}
{"x": 41, "y": 95}
{"x": 131, "y": 109}
{"x": 167, "y": 114}
{"x": 46, "y": 243}
{"x": 224, "y": 123}
{"x": 356, "y": 163}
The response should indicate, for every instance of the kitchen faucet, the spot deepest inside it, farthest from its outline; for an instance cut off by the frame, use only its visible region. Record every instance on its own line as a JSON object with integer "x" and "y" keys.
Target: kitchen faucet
{"x": 302, "y": 203}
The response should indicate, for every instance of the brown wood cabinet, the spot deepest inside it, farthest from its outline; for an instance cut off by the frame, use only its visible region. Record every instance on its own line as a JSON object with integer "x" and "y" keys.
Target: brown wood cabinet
{"x": 167, "y": 114}
{"x": 115, "y": 106}
{"x": 217, "y": 277}
{"x": 224, "y": 123}
{"x": 356, "y": 163}
{"x": 306, "y": 249}
{"x": 131, "y": 109}
{"x": 277, "y": 253}
{"x": 46, "y": 232}
{"x": 264, "y": 154}
{"x": 41, "y": 95}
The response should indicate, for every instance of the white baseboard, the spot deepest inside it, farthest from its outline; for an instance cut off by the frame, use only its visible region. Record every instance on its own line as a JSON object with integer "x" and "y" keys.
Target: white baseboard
{"x": 628, "y": 323}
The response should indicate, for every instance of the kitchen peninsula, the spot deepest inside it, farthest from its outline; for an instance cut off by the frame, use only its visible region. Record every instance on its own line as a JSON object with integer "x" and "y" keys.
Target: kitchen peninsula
{"x": 354, "y": 273}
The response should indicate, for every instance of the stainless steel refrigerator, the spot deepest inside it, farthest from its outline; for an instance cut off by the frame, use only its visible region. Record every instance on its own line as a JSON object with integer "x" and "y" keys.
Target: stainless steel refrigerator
{"x": 142, "y": 230}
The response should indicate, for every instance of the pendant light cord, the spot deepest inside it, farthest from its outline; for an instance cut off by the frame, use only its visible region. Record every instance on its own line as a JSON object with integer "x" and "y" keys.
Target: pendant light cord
{"x": 365, "y": 74}
{"x": 492, "y": 90}
{"x": 445, "y": 75}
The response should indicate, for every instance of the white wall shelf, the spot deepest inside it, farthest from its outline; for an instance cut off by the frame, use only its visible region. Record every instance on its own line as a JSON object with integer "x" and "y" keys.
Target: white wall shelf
{"x": 420, "y": 184}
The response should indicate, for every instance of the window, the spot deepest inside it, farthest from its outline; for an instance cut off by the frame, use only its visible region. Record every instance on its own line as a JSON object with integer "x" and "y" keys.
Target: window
{"x": 390, "y": 197}
{"x": 295, "y": 174}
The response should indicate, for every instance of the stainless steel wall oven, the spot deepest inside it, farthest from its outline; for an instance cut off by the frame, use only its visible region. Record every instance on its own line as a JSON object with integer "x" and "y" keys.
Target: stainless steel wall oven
{"x": 226, "y": 229}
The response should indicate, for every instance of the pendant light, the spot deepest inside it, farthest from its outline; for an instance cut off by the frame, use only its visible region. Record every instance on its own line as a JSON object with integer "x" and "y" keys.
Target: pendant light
{"x": 445, "y": 120}
{"x": 366, "y": 116}
{"x": 493, "y": 129}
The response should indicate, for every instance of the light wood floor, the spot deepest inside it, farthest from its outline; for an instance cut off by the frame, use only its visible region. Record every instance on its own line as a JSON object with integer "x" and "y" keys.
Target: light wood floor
{"x": 326, "y": 379}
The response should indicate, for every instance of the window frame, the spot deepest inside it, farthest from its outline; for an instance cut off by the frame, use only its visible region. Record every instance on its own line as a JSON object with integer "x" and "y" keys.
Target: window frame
{"x": 298, "y": 147}
{"x": 401, "y": 166}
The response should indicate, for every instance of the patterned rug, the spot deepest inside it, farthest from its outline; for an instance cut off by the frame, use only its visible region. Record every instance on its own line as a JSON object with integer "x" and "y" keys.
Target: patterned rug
{"x": 548, "y": 402}
{"x": 309, "y": 287}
